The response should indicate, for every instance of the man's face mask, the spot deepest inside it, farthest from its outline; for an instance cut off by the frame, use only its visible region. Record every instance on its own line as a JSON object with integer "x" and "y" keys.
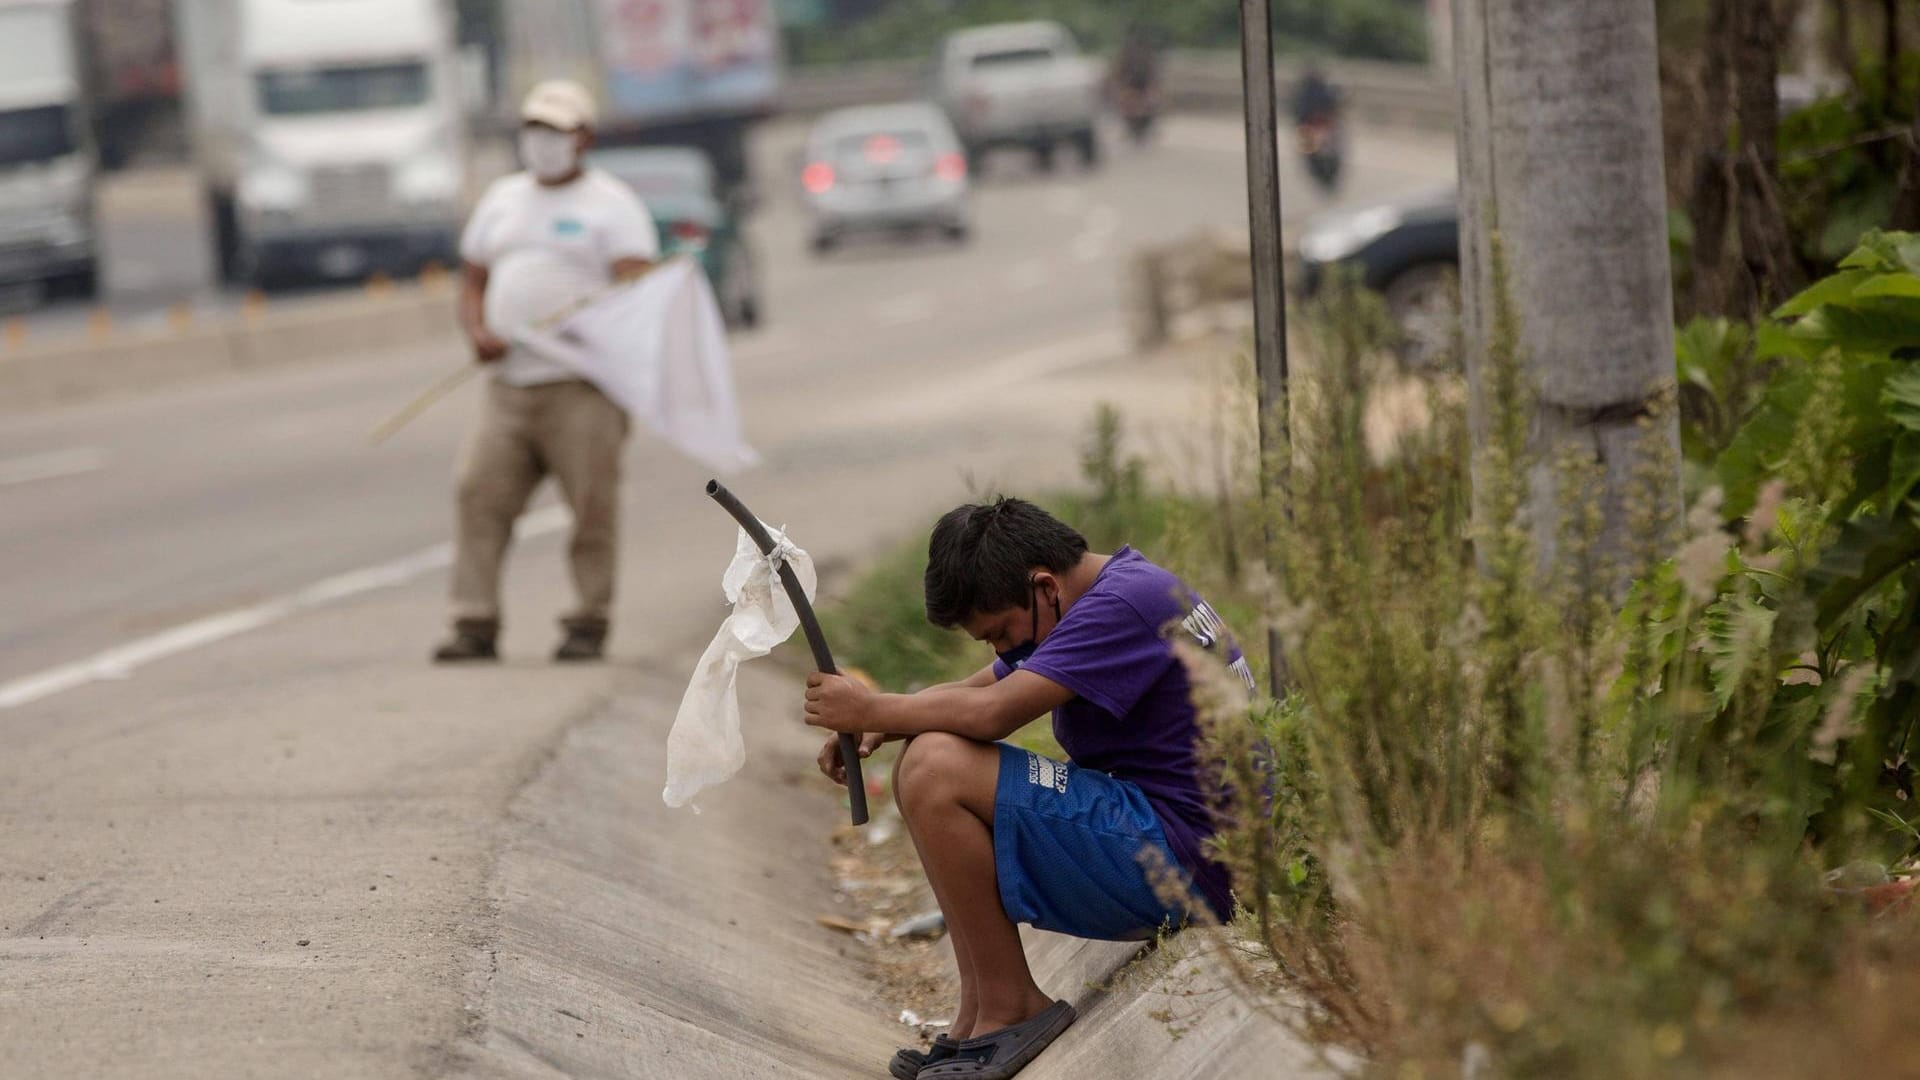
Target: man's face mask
{"x": 1018, "y": 655}
{"x": 548, "y": 154}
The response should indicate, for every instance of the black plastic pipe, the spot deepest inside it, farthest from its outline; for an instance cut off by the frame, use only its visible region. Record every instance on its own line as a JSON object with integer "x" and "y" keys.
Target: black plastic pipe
{"x": 810, "y": 625}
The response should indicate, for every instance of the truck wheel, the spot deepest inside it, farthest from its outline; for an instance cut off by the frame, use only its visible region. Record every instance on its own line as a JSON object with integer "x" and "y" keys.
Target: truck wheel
{"x": 738, "y": 304}
{"x": 1088, "y": 143}
{"x": 1043, "y": 156}
{"x": 976, "y": 162}
{"x": 77, "y": 285}
{"x": 226, "y": 238}
{"x": 1425, "y": 301}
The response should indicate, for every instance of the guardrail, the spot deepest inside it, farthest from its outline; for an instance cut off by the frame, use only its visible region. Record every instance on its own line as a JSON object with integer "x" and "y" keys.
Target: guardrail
{"x": 1408, "y": 94}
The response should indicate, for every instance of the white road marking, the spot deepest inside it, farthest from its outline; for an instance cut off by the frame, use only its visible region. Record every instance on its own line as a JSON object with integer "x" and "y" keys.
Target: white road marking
{"x": 901, "y": 310}
{"x": 760, "y": 347}
{"x": 23, "y": 470}
{"x": 1091, "y": 249}
{"x": 1026, "y": 275}
{"x": 1095, "y": 239}
{"x": 122, "y": 661}
{"x": 985, "y": 380}
{"x": 1065, "y": 198}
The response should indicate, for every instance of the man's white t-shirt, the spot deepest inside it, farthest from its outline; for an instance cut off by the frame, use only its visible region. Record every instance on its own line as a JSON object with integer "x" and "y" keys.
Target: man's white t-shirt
{"x": 546, "y": 248}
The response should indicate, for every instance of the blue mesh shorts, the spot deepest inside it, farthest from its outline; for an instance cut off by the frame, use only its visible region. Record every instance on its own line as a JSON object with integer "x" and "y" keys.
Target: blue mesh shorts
{"x": 1078, "y": 852}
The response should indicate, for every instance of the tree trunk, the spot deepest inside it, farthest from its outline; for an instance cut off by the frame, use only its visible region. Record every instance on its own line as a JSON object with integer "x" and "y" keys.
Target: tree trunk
{"x": 1772, "y": 270}
{"x": 1711, "y": 205}
{"x": 1843, "y": 47}
{"x": 1906, "y": 202}
{"x": 1560, "y": 155}
{"x": 1890, "y": 48}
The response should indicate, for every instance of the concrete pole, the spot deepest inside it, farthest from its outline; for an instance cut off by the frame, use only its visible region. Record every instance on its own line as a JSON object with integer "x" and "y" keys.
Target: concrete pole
{"x": 1560, "y": 153}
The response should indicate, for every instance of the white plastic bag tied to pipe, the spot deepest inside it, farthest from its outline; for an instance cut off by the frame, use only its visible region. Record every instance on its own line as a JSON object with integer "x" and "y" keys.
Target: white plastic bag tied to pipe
{"x": 705, "y": 748}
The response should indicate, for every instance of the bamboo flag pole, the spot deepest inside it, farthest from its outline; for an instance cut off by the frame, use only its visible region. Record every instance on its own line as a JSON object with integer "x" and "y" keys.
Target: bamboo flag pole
{"x": 446, "y": 384}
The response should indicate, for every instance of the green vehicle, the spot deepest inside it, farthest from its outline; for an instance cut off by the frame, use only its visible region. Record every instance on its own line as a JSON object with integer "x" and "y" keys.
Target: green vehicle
{"x": 681, "y": 190}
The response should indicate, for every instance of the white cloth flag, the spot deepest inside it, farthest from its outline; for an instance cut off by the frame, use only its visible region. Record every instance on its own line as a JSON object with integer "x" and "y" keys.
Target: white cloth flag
{"x": 704, "y": 748}
{"x": 658, "y": 348}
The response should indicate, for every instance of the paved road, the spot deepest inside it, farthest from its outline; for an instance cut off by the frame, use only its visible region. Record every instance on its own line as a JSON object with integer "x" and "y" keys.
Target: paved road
{"x": 221, "y": 740}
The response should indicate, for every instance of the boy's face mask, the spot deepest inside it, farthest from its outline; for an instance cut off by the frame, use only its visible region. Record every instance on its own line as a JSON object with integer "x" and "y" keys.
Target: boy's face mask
{"x": 1018, "y": 654}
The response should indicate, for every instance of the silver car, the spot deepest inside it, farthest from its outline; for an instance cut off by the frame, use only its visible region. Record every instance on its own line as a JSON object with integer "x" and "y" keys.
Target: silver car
{"x": 885, "y": 168}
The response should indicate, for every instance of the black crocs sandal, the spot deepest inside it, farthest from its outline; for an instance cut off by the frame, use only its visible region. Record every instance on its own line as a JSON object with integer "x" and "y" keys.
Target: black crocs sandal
{"x": 999, "y": 1054}
{"x": 907, "y": 1062}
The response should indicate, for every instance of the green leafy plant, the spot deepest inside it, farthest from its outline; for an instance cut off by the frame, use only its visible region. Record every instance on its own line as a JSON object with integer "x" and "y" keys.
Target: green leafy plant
{"x": 1840, "y": 427}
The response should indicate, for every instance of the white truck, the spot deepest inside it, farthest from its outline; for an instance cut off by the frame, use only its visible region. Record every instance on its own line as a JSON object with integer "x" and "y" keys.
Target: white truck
{"x": 329, "y": 133}
{"x": 47, "y": 160}
{"x": 1019, "y": 84}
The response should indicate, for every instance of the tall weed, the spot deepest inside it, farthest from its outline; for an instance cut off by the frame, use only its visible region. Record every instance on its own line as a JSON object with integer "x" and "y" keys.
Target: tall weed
{"x": 1513, "y": 833}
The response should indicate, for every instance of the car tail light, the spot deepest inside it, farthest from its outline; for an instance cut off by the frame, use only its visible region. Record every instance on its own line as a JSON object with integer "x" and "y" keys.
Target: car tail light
{"x": 689, "y": 235}
{"x": 950, "y": 167}
{"x": 883, "y": 149}
{"x": 817, "y": 178}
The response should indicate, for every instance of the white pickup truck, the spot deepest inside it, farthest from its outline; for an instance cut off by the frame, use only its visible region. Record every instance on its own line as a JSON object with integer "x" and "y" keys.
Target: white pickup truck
{"x": 1019, "y": 84}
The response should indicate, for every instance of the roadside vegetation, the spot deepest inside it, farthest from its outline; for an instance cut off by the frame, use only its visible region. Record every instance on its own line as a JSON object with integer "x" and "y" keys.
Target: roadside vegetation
{"x": 1522, "y": 827}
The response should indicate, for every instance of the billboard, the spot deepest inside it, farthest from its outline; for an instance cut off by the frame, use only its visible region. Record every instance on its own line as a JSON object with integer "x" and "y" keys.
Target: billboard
{"x": 667, "y": 58}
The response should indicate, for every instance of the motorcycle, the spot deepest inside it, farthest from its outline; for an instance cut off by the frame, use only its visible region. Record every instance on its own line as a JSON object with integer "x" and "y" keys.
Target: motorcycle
{"x": 1320, "y": 145}
{"x": 1138, "y": 106}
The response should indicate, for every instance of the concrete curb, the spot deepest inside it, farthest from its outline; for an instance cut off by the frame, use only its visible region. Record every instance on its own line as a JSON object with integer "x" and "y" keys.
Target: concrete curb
{"x": 38, "y": 375}
{"x": 608, "y": 961}
{"x": 618, "y": 951}
{"x": 1189, "y": 1020}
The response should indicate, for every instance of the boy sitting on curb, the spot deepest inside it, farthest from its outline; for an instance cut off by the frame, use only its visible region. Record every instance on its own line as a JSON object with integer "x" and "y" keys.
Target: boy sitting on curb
{"x": 1007, "y": 836}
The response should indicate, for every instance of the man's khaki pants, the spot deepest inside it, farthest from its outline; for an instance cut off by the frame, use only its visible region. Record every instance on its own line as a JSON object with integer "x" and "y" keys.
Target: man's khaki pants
{"x": 569, "y": 429}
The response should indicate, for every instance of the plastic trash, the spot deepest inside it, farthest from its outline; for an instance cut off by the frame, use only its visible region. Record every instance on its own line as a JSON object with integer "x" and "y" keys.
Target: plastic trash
{"x": 705, "y": 748}
{"x": 928, "y": 925}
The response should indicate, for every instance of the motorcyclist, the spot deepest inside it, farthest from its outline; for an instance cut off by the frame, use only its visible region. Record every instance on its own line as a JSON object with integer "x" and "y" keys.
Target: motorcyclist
{"x": 1316, "y": 118}
{"x": 1134, "y": 80}
{"x": 1315, "y": 99}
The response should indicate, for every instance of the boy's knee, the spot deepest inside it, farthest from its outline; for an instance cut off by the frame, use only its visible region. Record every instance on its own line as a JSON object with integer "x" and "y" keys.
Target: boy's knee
{"x": 931, "y": 766}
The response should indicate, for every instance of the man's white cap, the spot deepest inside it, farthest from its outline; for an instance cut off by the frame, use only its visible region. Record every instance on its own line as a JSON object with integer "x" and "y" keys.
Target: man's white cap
{"x": 559, "y": 103}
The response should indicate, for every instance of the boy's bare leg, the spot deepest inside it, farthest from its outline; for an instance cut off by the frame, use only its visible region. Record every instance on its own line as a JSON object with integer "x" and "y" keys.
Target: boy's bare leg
{"x": 945, "y": 786}
{"x": 963, "y": 1015}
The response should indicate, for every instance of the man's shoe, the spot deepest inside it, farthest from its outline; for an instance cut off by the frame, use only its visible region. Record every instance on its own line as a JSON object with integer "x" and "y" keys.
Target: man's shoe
{"x": 473, "y": 639}
{"x": 586, "y": 640}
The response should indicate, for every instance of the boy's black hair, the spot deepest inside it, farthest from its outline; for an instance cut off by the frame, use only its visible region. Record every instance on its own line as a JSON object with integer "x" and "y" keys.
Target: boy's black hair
{"x": 982, "y": 557}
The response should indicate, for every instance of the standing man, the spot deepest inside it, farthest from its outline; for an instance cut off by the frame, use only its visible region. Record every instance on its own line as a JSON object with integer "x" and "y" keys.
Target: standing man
{"x": 539, "y": 242}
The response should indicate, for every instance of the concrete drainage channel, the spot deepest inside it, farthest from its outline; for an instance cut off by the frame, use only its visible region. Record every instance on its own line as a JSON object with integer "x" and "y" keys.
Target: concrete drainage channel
{"x": 621, "y": 950}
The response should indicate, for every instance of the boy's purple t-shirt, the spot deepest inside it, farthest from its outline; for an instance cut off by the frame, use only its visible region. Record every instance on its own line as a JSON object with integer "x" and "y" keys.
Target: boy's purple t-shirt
{"x": 1132, "y": 715}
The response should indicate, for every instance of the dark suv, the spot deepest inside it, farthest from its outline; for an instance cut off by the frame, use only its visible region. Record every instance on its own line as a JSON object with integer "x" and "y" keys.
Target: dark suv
{"x": 1407, "y": 250}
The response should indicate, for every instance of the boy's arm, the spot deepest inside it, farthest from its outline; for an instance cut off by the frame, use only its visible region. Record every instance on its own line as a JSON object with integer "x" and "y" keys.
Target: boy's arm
{"x": 984, "y": 677}
{"x": 982, "y": 712}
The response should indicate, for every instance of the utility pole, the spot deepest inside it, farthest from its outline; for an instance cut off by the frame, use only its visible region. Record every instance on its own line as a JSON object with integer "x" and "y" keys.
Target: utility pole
{"x": 1269, "y": 284}
{"x": 1560, "y": 155}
